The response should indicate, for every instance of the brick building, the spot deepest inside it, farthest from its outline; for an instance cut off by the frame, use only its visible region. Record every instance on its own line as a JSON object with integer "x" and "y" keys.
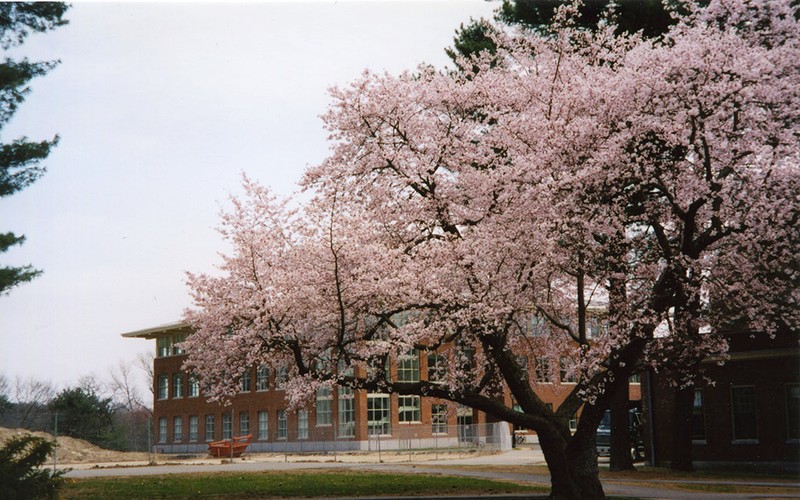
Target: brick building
{"x": 751, "y": 414}
{"x": 341, "y": 418}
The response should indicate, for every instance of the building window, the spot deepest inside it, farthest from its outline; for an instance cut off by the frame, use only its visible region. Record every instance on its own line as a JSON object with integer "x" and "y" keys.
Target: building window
{"x": 743, "y": 406}
{"x": 227, "y": 426}
{"x": 163, "y": 387}
{"x": 245, "y": 381}
{"x": 263, "y": 425}
{"x": 543, "y": 372}
{"x": 347, "y": 413}
{"x": 166, "y": 345}
{"x": 177, "y": 386}
{"x": 698, "y": 417}
{"x": 162, "y": 347}
{"x": 408, "y": 409}
{"x": 177, "y": 429}
{"x": 162, "y": 430}
{"x": 439, "y": 419}
{"x": 193, "y": 428}
{"x": 244, "y": 423}
{"x": 379, "y": 420}
{"x": 283, "y": 426}
{"x": 302, "y": 424}
{"x": 324, "y": 404}
{"x": 436, "y": 367}
{"x": 567, "y": 371}
{"x": 262, "y": 378}
{"x": 464, "y": 427}
{"x": 522, "y": 362}
{"x": 194, "y": 387}
{"x": 635, "y": 379}
{"x": 538, "y": 326}
{"x": 596, "y": 327}
{"x": 209, "y": 427}
{"x": 281, "y": 377}
{"x": 408, "y": 366}
{"x": 793, "y": 412}
{"x": 177, "y": 339}
{"x": 573, "y": 423}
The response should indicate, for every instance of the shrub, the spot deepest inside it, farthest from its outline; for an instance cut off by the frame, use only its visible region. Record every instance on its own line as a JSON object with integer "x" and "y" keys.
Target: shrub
{"x": 20, "y": 474}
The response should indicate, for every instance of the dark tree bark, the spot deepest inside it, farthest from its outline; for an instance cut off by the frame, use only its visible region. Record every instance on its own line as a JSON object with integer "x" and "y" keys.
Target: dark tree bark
{"x": 620, "y": 458}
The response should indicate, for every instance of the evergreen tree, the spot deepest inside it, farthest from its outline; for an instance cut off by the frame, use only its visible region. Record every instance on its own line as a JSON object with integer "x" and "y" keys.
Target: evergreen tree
{"x": 20, "y": 160}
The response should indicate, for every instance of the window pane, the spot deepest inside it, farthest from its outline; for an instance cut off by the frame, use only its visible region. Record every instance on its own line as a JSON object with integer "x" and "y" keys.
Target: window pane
{"x": 262, "y": 378}
{"x": 193, "y": 428}
{"x": 227, "y": 427}
{"x": 408, "y": 408}
{"x": 244, "y": 423}
{"x": 793, "y": 411}
{"x": 177, "y": 429}
{"x": 347, "y": 413}
{"x": 408, "y": 366}
{"x": 282, "y": 424}
{"x": 743, "y": 403}
{"x": 302, "y": 424}
{"x": 177, "y": 386}
{"x": 698, "y": 417}
{"x": 439, "y": 419}
{"x": 163, "y": 386}
{"x": 209, "y": 427}
{"x": 162, "y": 430}
{"x": 263, "y": 425}
{"x": 324, "y": 406}
{"x": 378, "y": 414}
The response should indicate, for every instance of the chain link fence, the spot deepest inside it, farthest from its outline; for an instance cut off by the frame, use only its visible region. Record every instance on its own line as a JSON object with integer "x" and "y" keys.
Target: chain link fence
{"x": 130, "y": 436}
{"x": 83, "y": 437}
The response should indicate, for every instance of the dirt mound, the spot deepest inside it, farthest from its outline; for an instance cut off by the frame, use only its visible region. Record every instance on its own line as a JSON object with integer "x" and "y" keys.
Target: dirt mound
{"x": 71, "y": 450}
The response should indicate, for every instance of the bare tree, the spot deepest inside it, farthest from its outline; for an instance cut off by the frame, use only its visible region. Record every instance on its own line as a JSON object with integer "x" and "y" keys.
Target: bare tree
{"x": 31, "y": 397}
{"x": 144, "y": 361}
{"x": 123, "y": 387}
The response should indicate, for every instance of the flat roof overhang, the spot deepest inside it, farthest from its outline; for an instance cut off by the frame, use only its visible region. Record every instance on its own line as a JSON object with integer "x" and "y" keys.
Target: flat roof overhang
{"x": 157, "y": 331}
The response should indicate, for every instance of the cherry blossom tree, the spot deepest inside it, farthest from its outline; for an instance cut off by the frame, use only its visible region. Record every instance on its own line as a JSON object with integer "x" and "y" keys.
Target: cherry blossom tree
{"x": 486, "y": 217}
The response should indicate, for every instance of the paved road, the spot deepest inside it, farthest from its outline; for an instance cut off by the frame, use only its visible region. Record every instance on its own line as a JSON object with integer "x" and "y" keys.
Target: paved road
{"x": 650, "y": 489}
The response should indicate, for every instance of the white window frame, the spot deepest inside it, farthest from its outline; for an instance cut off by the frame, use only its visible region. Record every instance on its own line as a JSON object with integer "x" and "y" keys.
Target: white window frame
{"x": 163, "y": 387}
{"x": 177, "y": 429}
{"x": 244, "y": 423}
{"x": 379, "y": 416}
{"x": 283, "y": 425}
{"x": 209, "y": 430}
{"x": 193, "y": 427}
{"x": 263, "y": 425}
{"x": 324, "y": 407}
{"x": 347, "y": 413}
{"x": 262, "y": 378}
{"x": 302, "y": 424}
{"x": 409, "y": 409}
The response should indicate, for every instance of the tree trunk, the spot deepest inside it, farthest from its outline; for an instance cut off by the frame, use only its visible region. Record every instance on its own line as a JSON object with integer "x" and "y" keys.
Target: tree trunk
{"x": 582, "y": 452}
{"x": 555, "y": 453}
{"x": 682, "y": 430}
{"x": 620, "y": 428}
{"x": 582, "y": 455}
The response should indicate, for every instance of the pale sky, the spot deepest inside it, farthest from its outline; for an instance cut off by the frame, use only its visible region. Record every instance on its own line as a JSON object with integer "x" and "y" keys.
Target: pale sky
{"x": 160, "y": 107}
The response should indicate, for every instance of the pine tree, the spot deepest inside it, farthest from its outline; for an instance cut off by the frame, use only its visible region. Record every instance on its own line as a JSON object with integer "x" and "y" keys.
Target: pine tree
{"x": 20, "y": 160}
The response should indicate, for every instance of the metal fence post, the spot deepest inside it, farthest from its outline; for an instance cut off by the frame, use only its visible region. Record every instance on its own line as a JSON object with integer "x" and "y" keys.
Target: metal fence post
{"x": 55, "y": 441}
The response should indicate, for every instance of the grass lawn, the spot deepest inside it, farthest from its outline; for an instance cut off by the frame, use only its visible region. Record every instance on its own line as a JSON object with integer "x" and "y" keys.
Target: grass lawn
{"x": 678, "y": 480}
{"x": 282, "y": 484}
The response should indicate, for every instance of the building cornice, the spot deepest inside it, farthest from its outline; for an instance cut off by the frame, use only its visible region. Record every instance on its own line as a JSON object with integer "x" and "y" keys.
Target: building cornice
{"x": 156, "y": 331}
